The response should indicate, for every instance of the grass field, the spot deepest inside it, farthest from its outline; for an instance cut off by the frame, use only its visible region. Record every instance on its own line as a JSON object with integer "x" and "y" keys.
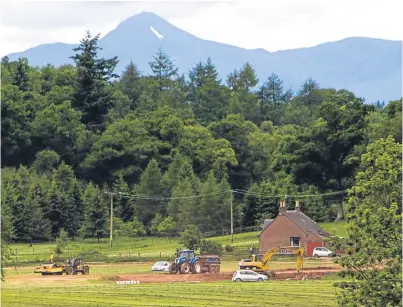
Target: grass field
{"x": 137, "y": 249}
{"x": 272, "y": 293}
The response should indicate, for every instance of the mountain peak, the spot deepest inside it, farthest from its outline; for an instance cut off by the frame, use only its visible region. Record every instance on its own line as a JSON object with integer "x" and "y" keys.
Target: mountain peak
{"x": 145, "y": 19}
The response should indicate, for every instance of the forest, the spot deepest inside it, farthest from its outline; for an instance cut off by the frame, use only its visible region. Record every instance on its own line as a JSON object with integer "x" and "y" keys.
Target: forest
{"x": 173, "y": 149}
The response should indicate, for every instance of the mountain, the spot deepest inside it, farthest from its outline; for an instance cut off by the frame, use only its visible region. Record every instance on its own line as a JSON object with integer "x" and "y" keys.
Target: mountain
{"x": 371, "y": 68}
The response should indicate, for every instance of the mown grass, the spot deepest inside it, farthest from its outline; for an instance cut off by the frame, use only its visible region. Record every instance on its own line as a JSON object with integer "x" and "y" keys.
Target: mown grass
{"x": 272, "y": 293}
{"x": 137, "y": 249}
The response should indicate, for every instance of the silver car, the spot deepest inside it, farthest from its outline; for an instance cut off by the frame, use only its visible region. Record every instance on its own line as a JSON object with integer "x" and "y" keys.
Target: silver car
{"x": 160, "y": 266}
{"x": 248, "y": 275}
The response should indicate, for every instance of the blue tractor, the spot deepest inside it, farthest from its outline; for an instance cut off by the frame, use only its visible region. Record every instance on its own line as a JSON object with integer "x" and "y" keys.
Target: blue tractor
{"x": 187, "y": 262}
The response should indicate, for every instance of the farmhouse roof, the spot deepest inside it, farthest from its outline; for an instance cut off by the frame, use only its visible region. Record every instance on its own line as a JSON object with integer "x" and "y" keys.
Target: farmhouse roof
{"x": 304, "y": 222}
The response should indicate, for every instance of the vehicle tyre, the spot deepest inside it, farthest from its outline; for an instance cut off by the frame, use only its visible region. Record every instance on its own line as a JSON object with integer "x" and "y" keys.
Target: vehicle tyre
{"x": 260, "y": 279}
{"x": 185, "y": 268}
{"x": 172, "y": 269}
{"x": 86, "y": 270}
{"x": 197, "y": 268}
{"x": 69, "y": 270}
{"x": 238, "y": 280}
{"x": 316, "y": 256}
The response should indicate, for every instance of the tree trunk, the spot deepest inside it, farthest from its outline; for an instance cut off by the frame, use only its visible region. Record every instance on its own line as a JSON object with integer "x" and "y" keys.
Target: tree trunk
{"x": 340, "y": 211}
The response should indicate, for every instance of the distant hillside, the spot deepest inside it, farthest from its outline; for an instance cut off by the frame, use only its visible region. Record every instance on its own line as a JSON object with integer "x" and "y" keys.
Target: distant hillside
{"x": 371, "y": 68}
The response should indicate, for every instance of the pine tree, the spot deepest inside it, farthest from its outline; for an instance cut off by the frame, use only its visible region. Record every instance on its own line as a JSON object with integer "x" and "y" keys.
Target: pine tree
{"x": 164, "y": 71}
{"x": 96, "y": 213}
{"x": 130, "y": 83}
{"x": 21, "y": 78}
{"x": 93, "y": 97}
{"x": 34, "y": 225}
{"x": 247, "y": 78}
{"x": 179, "y": 169}
{"x": 124, "y": 204}
{"x": 206, "y": 94}
{"x": 149, "y": 186}
{"x": 77, "y": 207}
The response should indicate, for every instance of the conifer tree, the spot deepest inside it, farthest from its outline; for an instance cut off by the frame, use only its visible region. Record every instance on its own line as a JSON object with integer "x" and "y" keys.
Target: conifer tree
{"x": 21, "y": 78}
{"x": 92, "y": 95}
{"x": 149, "y": 186}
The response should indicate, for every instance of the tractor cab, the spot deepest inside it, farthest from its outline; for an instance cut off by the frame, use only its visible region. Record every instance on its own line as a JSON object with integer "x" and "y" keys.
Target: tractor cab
{"x": 184, "y": 256}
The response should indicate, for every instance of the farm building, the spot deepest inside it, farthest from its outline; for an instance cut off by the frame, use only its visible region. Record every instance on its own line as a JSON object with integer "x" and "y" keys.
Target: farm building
{"x": 292, "y": 228}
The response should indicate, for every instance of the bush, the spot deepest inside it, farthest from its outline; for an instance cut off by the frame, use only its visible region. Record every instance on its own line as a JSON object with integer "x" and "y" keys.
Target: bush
{"x": 229, "y": 248}
{"x": 207, "y": 246}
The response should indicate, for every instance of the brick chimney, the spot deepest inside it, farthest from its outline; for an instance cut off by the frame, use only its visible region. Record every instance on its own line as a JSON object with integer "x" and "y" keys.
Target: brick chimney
{"x": 282, "y": 207}
{"x": 297, "y": 207}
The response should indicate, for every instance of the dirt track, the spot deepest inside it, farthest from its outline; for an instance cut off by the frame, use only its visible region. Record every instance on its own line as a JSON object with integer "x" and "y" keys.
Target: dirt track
{"x": 156, "y": 278}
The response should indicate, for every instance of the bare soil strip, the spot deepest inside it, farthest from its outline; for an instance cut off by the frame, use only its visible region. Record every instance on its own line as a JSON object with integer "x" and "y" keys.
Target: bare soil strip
{"x": 159, "y": 278}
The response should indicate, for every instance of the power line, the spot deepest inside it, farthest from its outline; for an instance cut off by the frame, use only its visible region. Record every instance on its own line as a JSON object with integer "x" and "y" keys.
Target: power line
{"x": 243, "y": 192}
{"x": 237, "y": 191}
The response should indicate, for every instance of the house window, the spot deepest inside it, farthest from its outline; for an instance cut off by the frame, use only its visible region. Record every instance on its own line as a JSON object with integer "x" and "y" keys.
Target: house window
{"x": 295, "y": 241}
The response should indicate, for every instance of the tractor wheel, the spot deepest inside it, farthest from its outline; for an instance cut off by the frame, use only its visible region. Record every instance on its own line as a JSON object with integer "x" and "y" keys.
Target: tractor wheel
{"x": 185, "y": 268}
{"x": 197, "y": 268}
{"x": 69, "y": 270}
{"x": 172, "y": 268}
{"x": 86, "y": 270}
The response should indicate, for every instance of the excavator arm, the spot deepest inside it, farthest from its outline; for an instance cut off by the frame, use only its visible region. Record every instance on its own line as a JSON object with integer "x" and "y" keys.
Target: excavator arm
{"x": 266, "y": 258}
{"x": 300, "y": 258}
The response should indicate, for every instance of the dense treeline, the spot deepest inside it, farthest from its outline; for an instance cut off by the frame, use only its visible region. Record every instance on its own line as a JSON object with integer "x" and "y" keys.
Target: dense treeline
{"x": 174, "y": 145}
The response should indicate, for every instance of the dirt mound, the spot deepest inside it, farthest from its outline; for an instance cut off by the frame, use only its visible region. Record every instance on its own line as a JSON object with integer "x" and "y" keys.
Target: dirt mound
{"x": 111, "y": 278}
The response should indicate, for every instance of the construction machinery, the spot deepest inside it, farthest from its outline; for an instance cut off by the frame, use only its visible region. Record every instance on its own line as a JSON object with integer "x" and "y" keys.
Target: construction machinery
{"x": 187, "y": 262}
{"x": 260, "y": 262}
{"x": 73, "y": 266}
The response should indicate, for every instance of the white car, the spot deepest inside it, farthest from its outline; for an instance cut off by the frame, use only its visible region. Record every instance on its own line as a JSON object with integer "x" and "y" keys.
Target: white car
{"x": 321, "y": 252}
{"x": 160, "y": 266}
{"x": 248, "y": 275}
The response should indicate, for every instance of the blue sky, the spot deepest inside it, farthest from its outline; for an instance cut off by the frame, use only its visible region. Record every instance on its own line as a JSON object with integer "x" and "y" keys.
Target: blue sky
{"x": 272, "y": 25}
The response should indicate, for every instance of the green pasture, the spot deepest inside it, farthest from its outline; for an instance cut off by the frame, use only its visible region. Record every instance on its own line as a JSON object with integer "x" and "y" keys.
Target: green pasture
{"x": 272, "y": 293}
{"x": 138, "y": 249}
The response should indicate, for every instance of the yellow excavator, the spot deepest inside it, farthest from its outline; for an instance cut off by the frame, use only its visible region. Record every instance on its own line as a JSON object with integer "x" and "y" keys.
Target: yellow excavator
{"x": 260, "y": 263}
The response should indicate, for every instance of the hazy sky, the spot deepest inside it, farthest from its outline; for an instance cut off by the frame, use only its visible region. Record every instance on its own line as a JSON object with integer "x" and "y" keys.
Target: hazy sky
{"x": 272, "y": 25}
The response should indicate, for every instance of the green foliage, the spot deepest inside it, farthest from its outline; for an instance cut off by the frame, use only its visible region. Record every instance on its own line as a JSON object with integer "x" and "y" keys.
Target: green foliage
{"x": 373, "y": 264}
{"x": 92, "y": 96}
{"x": 95, "y": 213}
{"x": 133, "y": 229}
{"x": 61, "y": 243}
{"x": 212, "y": 247}
{"x": 167, "y": 226}
{"x": 190, "y": 236}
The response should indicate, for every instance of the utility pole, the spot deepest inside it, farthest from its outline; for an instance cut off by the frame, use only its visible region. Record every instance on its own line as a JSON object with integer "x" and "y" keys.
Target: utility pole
{"x": 111, "y": 226}
{"x": 232, "y": 218}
